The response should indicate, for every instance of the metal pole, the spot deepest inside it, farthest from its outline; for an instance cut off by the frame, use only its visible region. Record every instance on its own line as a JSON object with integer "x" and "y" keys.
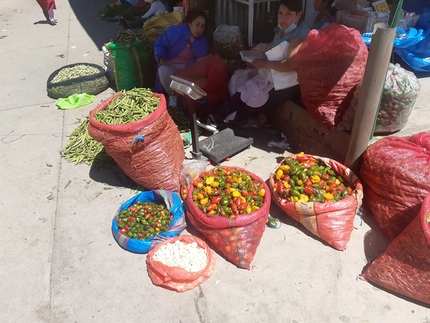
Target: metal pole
{"x": 370, "y": 93}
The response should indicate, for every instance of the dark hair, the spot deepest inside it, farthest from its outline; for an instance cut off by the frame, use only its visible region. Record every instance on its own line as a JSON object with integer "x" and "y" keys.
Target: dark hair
{"x": 193, "y": 14}
{"x": 293, "y": 5}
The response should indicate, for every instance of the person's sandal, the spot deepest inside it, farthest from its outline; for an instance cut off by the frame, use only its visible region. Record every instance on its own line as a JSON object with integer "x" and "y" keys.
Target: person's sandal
{"x": 52, "y": 21}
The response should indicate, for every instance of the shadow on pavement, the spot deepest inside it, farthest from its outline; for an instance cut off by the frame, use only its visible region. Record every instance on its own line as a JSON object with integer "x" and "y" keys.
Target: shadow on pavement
{"x": 87, "y": 13}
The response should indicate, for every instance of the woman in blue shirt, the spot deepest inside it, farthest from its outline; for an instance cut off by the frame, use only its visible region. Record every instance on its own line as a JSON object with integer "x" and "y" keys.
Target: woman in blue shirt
{"x": 291, "y": 28}
{"x": 178, "y": 47}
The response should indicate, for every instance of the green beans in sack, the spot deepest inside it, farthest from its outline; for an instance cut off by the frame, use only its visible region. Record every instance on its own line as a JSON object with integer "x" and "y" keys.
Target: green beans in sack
{"x": 148, "y": 150}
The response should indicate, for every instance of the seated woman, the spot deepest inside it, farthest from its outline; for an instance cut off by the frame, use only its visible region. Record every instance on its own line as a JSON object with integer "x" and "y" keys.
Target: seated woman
{"x": 292, "y": 29}
{"x": 326, "y": 13}
{"x": 178, "y": 47}
{"x": 157, "y": 6}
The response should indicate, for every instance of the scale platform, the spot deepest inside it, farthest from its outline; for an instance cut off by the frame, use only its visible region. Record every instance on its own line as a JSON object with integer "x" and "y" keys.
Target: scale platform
{"x": 218, "y": 146}
{"x": 223, "y": 144}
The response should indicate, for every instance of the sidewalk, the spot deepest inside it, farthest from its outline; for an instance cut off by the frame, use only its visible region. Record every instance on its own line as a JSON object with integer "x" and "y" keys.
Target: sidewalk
{"x": 58, "y": 260}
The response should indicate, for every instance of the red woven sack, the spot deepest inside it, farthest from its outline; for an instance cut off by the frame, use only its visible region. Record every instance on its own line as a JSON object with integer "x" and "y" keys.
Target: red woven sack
{"x": 332, "y": 222}
{"x": 236, "y": 238}
{"x": 396, "y": 178}
{"x": 329, "y": 64}
{"x": 149, "y": 151}
{"x": 210, "y": 74}
{"x": 404, "y": 267}
{"x": 177, "y": 278}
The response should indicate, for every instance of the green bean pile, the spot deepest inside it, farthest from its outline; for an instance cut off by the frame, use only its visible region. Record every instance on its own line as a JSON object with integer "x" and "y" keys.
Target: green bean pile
{"x": 128, "y": 37}
{"x": 70, "y": 73}
{"x": 82, "y": 148}
{"x": 128, "y": 107}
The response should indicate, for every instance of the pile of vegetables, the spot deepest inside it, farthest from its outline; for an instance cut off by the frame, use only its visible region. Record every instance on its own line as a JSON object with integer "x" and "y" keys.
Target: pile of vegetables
{"x": 188, "y": 256}
{"x": 227, "y": 192}
{"x": 305, "y": 179}
{"x": 128, "y": 107}
{"x": 82, "y": 148}
{"x": 144, "y": 220}
{"x": 74, "y": 72}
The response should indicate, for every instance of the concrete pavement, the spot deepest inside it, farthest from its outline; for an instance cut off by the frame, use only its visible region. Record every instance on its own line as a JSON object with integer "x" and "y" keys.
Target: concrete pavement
{"x": 58, "y": 259}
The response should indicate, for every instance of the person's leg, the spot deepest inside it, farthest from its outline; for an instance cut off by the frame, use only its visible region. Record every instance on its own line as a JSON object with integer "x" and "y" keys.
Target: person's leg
{"x": 279, "y": 97}
{"x": 228, "y": 107}
{"x": 45, "y": 13}
{"x": 164, "y": 73}
{"x": 138, "y": 23}
{"x": 51, "y": 19}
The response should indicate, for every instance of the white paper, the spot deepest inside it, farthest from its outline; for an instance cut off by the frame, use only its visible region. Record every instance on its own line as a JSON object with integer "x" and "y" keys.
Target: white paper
{"x": 281, "y": 80}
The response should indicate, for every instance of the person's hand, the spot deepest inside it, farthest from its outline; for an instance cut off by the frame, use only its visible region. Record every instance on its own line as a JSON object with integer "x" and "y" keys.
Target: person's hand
{"x": 163, "y": 61}
{"x": 258, "y": 63}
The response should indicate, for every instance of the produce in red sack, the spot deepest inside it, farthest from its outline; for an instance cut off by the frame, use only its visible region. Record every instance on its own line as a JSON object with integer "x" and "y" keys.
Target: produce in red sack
{"x": 320, "y": 193}
{"x": 404, "y": 267}
{"x": 149, "y": 150}
{"x": 147, "y": 219}
{"x": 396, "y": 178}
{"x": 230, "y": 207}
{"x": 398, "y": 97}
{"x": 329, "y": 65}
{"x": 180, "y": 263}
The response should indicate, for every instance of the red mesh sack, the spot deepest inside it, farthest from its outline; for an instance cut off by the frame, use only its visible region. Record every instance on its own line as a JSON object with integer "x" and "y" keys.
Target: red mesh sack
{"x": 329, "y": 64}
{"x": 236, "y": 238}
{"x": 396, "y": 178}
{"x": 332, "y": 222}
{"x": 210, "y": 74}
{"x": 404, "y": 267}
{"x": 149, "y": 151}
{"x": 177, "y": 278}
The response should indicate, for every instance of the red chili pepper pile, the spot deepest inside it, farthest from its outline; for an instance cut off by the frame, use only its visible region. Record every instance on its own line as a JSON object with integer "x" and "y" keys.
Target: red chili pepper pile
{"x": 306, "y": 179}
{"x": 144, "y": 220}
{"x": 227, "y": 192}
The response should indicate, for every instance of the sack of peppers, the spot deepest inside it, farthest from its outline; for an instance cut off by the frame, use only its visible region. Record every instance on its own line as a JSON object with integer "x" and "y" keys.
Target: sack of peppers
{"x": 320, "y": 193}
{"x": 148, "y": 219}
{"x": 398, "y": 97}
{"x": 230, "y": 207}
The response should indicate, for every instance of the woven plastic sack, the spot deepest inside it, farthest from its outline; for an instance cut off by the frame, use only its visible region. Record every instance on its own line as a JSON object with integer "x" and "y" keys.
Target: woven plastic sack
{"x": 228, "y": 41}
{"x": 149, "y": 151}
{"x": 172, "y": 202}
{"x": 90, "y": 84}
{"x": 177, "y": 278}
{"x": 329, "y": 65}
{"x": 132, "y": 65}
{"x": 400, "y": 92}
{"x": 236, "y": 238}
{"x": 210, "y": 74}
{"x": 154, "y": 27}
{"x": 396, "y": 177}
{"x": 331, "y": 222}
{"x": 404, "y": 267}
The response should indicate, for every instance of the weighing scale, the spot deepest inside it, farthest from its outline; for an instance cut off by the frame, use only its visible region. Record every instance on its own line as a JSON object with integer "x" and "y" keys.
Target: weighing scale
{"x": 218, "y": 146}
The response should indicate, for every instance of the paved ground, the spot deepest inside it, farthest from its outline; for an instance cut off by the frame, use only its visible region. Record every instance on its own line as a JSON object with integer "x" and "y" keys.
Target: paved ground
{"x": 58, "y": 259}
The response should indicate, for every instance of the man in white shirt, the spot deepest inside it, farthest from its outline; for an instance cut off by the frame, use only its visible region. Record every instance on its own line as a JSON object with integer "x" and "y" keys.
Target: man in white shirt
{"x": 157, "y": 6}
